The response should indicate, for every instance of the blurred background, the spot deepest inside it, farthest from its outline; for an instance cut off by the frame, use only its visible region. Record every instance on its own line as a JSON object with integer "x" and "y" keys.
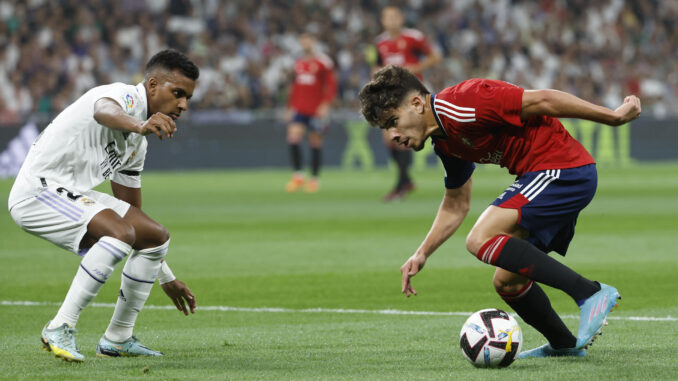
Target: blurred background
{"x": 51, "y": 52}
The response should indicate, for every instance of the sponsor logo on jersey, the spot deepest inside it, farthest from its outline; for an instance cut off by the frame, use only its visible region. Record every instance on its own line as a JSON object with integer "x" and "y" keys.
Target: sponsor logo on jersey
{"x": 129, "y": 101}
{"x": 111, "y": 162}
{"x": 492, "y": 157}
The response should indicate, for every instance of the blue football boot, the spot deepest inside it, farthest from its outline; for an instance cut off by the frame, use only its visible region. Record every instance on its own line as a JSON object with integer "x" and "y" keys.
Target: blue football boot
{"x": 593, "y": 312}
{"x": 547, "y": 350}
{"x": 128, "y": 348}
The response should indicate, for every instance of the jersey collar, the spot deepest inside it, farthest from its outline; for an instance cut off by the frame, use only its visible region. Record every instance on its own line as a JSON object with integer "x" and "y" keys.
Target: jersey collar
{"x": 141, "y": 89}
{"x": 435, "y": 114}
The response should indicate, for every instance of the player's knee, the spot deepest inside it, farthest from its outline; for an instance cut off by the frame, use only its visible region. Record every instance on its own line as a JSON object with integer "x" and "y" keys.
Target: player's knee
{"x": 474, "y": 242}
{"x": 162, "y": 235}
{"x": 123, "y": 232}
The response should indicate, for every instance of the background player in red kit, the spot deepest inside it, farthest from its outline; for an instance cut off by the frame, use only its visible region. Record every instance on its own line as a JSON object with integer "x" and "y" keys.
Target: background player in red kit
{"x": 313, "y": 90}
{"x": 408, "y": 48}
{"x": 488, "y": 121}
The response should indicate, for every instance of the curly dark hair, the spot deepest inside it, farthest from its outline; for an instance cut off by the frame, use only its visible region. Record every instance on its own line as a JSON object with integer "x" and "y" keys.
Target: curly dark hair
{"x": 171, "y": 59}
{"x": 386, "y": 92}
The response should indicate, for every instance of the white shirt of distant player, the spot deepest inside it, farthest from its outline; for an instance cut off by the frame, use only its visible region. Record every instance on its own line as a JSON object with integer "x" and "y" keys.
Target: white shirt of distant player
{"x": 78, "y": 153}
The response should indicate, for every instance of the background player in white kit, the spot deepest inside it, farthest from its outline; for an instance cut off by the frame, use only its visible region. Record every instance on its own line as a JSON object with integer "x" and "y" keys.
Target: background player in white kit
{"x": 102, "y": 136}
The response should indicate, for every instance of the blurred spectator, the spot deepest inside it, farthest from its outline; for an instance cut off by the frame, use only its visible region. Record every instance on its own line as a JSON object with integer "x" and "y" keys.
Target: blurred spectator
{"x": 53, "y": 51}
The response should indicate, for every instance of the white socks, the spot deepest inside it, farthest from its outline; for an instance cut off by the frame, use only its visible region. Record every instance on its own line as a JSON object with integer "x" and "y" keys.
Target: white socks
{"x": 94, "y": 270}
{"x": 138, "y": 277}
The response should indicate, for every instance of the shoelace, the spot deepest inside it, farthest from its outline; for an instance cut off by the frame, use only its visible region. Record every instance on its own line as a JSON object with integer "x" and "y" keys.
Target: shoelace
{"x": 66, "y": 338}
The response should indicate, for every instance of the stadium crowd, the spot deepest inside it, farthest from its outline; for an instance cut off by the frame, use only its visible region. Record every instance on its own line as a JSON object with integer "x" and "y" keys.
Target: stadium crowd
{"x": 53, "y": 51}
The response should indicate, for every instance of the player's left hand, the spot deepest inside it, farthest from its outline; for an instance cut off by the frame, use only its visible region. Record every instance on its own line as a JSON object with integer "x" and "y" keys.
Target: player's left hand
{"x": 181, "y": 295}
{"x": 409, "y": 269}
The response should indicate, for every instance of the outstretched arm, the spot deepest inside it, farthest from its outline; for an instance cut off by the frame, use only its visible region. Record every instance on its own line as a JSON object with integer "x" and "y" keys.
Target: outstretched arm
{"x": 564, "y": 105}
{"x": 450, "y": 215}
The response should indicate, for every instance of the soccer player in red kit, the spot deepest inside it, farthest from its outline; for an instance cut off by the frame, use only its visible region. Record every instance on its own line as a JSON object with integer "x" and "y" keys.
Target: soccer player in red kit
{"x": 489, "y": 121}
{"x": 313, "y": 90}
{"x": 408, "y": 48}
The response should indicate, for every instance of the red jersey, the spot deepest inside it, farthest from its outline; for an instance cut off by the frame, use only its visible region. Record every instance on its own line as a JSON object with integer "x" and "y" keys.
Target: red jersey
{"x": 481, "y": 120}
{"x": 314, "y": 84}
{"x": 405, "y": 49}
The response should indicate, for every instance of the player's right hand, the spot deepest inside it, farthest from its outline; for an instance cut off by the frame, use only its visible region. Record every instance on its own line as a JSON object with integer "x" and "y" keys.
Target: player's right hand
{"x": 159, "y": 124}
{"x": 409, "y": 269}
{"x": 629, "y": 110}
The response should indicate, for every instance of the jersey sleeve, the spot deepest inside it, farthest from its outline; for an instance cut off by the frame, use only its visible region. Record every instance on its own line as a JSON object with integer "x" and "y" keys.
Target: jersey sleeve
{"x": 457, "y": 171}
{"x": 497, "y": 102}
{"x": 129, "y": 174}
{"x": 124, "y": 95}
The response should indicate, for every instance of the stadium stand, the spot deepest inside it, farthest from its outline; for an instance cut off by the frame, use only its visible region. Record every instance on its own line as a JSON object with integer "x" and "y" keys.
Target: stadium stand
{"x": 53, "y": 51}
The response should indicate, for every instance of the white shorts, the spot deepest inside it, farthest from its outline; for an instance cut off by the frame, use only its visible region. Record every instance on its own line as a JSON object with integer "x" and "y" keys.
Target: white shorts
{"x": 61, "y": 217}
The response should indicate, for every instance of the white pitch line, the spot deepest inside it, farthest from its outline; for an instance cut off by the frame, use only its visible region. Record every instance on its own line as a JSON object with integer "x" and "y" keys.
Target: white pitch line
{"x": 321, "y": 310}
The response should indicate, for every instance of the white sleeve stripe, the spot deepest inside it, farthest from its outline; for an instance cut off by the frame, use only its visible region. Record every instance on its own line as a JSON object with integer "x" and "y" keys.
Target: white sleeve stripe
{"x": 455, "y": 106}
{"x": 455, "y": 118}
{"x": 457, "y": 113}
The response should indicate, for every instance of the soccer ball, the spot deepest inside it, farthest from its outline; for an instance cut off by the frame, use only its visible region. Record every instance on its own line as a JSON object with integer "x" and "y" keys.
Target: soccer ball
{"x": 490, "y": 338}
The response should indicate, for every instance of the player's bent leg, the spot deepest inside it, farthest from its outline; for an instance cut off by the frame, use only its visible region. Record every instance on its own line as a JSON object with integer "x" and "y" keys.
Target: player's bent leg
{"x": 534, "y": 307}
{"x": 149, "y": 233}
{"x": 94, "y": 270}
{"x": 138, "y": 277}
{"x": 521, "y": 257}
{"x": 492, "y": 222}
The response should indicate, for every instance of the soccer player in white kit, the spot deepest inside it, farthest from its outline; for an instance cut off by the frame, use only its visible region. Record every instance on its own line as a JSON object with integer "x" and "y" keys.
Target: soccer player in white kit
{"x": 102, "y": 136}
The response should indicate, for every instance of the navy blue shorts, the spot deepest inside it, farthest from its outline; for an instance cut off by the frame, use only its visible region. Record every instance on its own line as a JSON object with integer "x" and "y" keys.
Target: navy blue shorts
{"x": 319, "y": 125}
{"x": 548, "y": 203}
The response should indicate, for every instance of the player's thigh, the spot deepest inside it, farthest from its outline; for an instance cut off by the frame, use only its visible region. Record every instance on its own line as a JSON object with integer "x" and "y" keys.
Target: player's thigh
{"x": 149, "y": 233}
{"x": 494, "y": 221}
{"x": 108, "y": 222}
{"x": 58, "y": 216}
{"x": 295, "y": 132}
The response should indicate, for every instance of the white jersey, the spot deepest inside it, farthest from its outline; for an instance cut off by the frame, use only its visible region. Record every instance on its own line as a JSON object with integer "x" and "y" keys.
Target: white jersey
{"x": 79, "y": 153}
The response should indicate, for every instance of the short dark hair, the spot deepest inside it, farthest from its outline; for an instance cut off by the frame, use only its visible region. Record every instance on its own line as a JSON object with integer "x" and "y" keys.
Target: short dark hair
{"x": 386, "y": 92}
{"x": 171, "y": 59}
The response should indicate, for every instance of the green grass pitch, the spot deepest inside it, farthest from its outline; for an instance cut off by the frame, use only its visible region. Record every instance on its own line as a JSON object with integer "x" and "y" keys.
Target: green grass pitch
{"x": 239, "y": 241}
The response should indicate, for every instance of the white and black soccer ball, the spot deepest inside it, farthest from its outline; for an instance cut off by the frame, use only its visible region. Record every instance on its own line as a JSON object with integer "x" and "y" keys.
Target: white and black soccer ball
{"x": 490, "y": 338}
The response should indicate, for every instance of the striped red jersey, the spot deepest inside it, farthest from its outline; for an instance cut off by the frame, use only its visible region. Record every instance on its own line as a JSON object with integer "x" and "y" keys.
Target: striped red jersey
{"x": 481, "y": 120}
{"x": 314, "y": 83}
{"x": 405, "y": 49}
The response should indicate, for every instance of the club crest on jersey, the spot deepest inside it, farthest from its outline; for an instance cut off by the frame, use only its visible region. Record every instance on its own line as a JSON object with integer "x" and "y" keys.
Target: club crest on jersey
{"x": 87, "y": 201}
{"x": 129, "y": 101}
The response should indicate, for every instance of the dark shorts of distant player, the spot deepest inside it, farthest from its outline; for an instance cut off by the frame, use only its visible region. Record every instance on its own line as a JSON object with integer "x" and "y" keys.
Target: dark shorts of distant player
{"x": 312, "y": 123}
{"x": 549, "y": 202}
